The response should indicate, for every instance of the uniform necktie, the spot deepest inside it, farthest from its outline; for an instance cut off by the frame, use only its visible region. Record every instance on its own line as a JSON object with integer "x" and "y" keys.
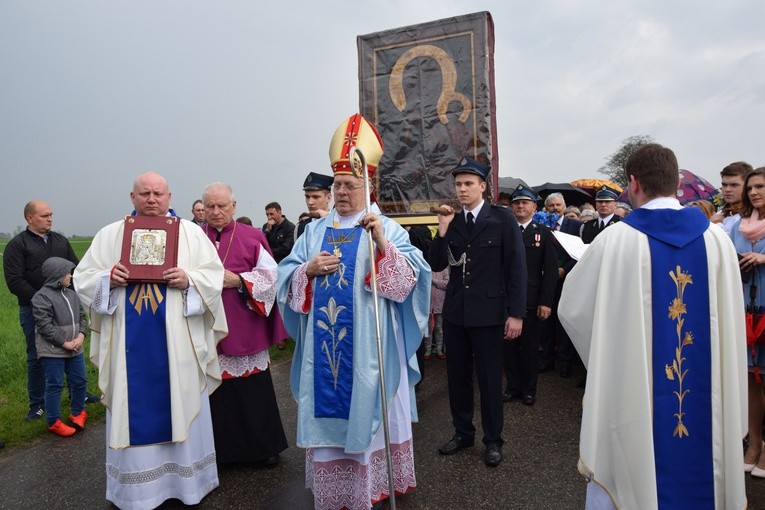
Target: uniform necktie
{"x": 602, "y": 225}
{"x": 470, "y": 222}
{"x": 520, "y": 227}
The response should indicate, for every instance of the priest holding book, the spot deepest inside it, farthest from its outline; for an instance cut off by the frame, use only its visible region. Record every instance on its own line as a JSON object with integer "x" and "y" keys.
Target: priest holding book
{"x": 154, "y": 342}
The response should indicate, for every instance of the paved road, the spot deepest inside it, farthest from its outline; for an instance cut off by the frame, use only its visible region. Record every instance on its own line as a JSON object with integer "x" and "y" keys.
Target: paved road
{"x": 539, "y": 471}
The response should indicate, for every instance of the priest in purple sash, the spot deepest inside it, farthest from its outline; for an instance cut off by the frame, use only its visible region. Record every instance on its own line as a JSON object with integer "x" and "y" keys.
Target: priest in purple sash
{"x": 245, "y": 415}
{"x": 327, "y": 305}
{"x": 154, "y": 345}
{"x": 654, "y": 308}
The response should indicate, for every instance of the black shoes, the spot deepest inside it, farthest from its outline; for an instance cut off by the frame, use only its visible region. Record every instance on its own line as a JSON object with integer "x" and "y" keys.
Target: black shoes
{"x": 528, "y": 399}
{"x": 270, "y": 462}
{"x": 92, "y": 399}
{"x": 565, "y": 371}
{"x": 456, "y": 444}
{"x": 509, "y": 396}
{"x": 493, "y": 455}
{"x": 547, "y": 366}
{"x": 35, "y": 414}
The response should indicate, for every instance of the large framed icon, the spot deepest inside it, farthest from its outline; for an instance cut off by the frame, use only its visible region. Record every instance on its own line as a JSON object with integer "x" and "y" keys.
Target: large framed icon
{"x": 149, "y": 247}
{"x": 429, "y": 90}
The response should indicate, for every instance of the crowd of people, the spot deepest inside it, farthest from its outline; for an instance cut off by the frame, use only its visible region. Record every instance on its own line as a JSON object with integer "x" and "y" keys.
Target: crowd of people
{"x": 655, "y": 309}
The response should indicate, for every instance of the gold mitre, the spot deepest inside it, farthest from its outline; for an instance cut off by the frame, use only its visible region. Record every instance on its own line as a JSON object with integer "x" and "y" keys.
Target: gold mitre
{"x": 356, "y": 131}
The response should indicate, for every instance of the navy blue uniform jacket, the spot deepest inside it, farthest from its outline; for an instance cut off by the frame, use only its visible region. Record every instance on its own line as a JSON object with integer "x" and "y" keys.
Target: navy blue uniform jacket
{"x": 542, "y": 265}
{"x": 494, "y": 284}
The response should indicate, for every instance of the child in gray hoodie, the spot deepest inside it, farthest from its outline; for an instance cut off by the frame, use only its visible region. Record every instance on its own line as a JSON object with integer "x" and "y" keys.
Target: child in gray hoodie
{"x": 60, "y": 328}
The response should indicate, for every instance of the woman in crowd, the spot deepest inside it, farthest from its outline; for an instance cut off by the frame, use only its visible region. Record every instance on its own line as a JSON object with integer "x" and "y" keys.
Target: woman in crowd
{"x": 748, "y": 236}
{"x": 705, "y": 205}
{"x": 572, "y": 212}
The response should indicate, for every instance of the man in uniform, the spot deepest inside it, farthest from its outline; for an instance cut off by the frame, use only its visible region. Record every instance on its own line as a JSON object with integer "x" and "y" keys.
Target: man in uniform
{"x": 605, "y": 203}
{"x": 521, "y": 356}
{"x": 666, "y": 400}
{"x": 245, "y": 415}
{"x": 154, "y": 345}
{"x": 22, "y": 264}
{"x": 318, "y": 195}
{"x": 485, "y": 303}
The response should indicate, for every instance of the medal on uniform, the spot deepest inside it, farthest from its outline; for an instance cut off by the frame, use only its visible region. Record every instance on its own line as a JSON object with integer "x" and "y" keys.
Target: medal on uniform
{"x": 537, "y": 238}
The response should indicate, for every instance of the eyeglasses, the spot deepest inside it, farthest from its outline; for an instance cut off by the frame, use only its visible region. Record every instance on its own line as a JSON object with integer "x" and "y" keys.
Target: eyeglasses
{"x": 348, "y": 187}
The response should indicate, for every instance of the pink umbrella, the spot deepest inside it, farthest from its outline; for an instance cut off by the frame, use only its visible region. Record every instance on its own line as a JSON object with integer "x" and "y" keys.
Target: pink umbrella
{"x": 692, "y": 188}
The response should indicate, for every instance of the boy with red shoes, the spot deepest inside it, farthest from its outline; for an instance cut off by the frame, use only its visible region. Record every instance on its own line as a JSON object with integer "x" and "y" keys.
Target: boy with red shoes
{"x": 60, "y": 327}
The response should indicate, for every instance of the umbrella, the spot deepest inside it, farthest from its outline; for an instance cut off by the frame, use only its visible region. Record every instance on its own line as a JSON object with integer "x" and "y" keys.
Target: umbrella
{"x": 508, "y": 184}
{"x": 591, "y": 186}
{"x": 692, "y": 187}
{"x": 572, "y": 195}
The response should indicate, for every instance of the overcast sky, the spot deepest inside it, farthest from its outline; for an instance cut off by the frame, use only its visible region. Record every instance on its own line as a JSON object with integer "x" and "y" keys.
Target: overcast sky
{"x": 247, "y": 92}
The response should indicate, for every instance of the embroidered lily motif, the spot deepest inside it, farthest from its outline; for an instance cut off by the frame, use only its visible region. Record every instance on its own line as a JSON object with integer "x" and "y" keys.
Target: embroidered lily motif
{"x": 676, "y": 311}
{"x": 335, "y": 356}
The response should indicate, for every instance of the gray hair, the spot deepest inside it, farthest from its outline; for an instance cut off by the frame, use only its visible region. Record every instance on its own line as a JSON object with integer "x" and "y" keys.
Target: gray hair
{"x": 588, "y": 213}
{"x": 572, "y": 208}
{"x": 216, "y": 185}
{"x": 555, "y": 195}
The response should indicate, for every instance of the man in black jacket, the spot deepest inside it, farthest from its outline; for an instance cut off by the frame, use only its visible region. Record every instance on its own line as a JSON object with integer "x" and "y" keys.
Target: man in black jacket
{"x": 22, "y": 263}
{"x": 553, "y": 336}
{"x": 317, "y": 189}
{"x": 485, "y": 303}
{"x": 605, "y": 203}
{"x": 521, "y": 356}
{"x": 280, "y": 232}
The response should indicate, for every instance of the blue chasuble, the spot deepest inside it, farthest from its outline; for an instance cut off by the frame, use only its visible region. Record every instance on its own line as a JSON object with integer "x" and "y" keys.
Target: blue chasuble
{"x": 333, "y": 327}
{"x": 682, "y": 359}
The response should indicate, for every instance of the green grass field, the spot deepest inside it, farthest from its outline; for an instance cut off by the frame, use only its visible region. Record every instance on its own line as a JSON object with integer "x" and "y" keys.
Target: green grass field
{"x": 13, "y": 372}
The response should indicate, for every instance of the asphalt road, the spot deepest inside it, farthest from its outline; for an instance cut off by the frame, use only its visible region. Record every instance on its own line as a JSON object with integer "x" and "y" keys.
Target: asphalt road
{"x": 539, "y": 470}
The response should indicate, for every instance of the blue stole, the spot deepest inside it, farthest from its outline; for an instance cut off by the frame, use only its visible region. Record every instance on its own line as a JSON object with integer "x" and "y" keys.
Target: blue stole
{"x": 682, "y": 359}
{"x": 333, "y": 327}
{"x": 148, "y": 370}
{"x": 148, "y": 367}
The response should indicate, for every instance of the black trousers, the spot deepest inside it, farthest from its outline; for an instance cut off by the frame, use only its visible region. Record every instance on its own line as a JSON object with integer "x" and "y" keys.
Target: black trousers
{"x": 554, "y": 339}
{"x": 520, "y": 357}
{"x": 482, "y": 348}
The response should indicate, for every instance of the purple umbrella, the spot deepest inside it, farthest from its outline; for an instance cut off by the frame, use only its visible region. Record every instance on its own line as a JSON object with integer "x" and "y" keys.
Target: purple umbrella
{"x": 692, "y": 188}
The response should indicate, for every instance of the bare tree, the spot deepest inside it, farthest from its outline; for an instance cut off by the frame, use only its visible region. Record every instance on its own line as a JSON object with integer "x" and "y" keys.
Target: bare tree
{"x": 614, "y": 167}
